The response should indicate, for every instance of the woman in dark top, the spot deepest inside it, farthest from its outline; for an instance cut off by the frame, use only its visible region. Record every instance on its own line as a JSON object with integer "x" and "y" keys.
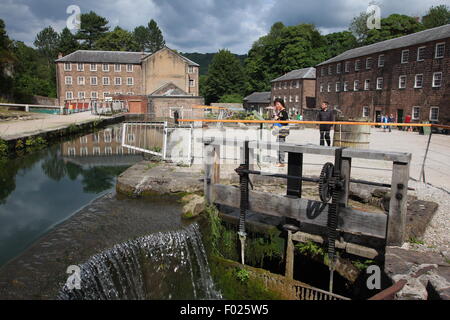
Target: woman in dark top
{"x": 281, "y": 114}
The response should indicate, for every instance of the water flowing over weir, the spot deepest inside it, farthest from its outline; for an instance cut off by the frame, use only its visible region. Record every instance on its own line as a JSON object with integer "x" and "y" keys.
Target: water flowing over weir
{"x": 166, "y": 265}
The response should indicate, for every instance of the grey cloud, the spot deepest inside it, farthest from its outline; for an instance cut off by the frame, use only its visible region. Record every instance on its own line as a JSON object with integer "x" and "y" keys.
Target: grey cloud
{"x": 200, "y": 25}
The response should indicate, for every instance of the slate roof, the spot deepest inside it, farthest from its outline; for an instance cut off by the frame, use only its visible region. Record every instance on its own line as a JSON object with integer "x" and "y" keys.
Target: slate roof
{"x": 258, "y": 97}
{"x": 433, "y": 34}
{"x": 95, "y": 56}
{"x": 305, "y": 73}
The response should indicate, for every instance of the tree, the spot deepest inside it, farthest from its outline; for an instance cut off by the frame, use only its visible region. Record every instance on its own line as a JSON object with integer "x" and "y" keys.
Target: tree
{"x": 92, "y": 28}
{"x": 282, "y": 50}
{"x": 396, "y": 25}
{"x": 358, "y": 27}
{"x": 7, "y": 59}
{"x": 32, "y": 74}
{"x": 47, "y": 42}
{"x": 339, "y": 42}
{"x": 225, "y": 76}
{"x": 142, "y": 37}
{"x": 67, "y": 42}
{"x": 156, "y": 39}
{"x": 231, "y": 98}
{"x": 117, "y": 40}
{"x": 436, "y": 16}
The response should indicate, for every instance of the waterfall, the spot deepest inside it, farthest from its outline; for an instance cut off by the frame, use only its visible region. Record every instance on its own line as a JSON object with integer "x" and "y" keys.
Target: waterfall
{"x": 165, "y": 265}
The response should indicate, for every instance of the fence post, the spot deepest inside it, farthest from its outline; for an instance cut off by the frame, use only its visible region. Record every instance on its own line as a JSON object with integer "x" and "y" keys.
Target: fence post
{"x": 396, "y": 227}
{"x": 212, "y": 170}
{"x": 346, "y": 166}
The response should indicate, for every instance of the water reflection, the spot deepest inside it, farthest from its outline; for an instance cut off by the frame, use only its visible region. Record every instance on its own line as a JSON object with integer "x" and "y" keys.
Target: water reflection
{"x": 44, "y": 188}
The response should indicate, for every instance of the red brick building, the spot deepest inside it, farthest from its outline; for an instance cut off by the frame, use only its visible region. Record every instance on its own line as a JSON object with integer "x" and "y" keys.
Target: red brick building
{"x": 297, "y": 88}
{"x": 401, "y": 76}
{"x": 91, "y": 74}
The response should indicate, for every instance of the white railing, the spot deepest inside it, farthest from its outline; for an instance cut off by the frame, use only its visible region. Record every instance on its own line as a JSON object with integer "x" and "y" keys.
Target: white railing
{"x": 27, "y": 106}
{"x": 157, "y": 138}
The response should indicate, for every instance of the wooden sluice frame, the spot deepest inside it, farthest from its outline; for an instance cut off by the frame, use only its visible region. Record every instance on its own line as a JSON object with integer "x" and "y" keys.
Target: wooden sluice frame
{"x": 363, "y": 234}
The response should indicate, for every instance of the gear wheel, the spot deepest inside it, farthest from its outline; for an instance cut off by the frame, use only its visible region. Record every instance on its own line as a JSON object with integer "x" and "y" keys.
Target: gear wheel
{"x": 326, "y": 182}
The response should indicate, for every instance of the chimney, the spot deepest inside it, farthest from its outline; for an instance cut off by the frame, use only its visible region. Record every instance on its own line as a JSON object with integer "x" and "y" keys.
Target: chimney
{"x": 60, "y": 55}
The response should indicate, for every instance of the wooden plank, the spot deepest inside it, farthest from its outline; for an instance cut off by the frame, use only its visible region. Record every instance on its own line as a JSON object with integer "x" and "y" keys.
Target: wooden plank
{"x": 295, "y": 168}
{"x": 355, "y": 249}
{"x": 289, "y": 267}
{"x": 330, "y": 151}
{"x": 305, "y": 211}
{"x": 208, "y": 164}
{"x": 216, "y": 165}
{"x": 314, "y": 149}
{"x": 345, "y": 173}
{"x": 396, "y": 228}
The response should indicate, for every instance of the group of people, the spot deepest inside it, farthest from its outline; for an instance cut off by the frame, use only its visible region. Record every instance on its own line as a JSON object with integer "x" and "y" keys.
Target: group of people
{"x": 386, "y": 119}
{"x": 325, "y": 114}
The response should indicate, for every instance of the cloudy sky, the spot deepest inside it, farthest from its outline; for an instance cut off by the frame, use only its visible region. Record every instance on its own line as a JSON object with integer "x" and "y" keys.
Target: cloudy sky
{"x": 200, "y": 25}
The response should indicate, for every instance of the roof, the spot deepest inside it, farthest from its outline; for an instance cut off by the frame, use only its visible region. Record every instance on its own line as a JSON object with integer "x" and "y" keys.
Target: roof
{"x": 190, "y": 62}
{"x": 305, "y": 73}
{"x": 169, "y": 89}
{"x": 258, "y": 97}
{"x": 96, "y": 56}
{"x": 428, "y": 35}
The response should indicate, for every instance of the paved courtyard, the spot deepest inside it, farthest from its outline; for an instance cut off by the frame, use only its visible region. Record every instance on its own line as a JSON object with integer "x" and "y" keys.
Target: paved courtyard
{"x": 45, "y": 122}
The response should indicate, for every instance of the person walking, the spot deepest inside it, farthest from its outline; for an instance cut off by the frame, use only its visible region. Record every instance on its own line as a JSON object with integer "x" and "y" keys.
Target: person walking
{"x": 408, "y": 120}
{"x": 325, "y": 114}
{"x": 391, "y": 120}
{"x": 281, "y": 114}
{"x": 385, "y": 119}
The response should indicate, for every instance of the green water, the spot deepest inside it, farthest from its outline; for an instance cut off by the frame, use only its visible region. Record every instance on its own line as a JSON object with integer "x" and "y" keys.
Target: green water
{"x": 41, "y": 189}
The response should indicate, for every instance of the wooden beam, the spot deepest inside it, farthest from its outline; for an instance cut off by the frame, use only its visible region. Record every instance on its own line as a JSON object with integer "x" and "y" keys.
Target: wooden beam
{"x": 314, "y": 149}
{"x": 304, "y": 210}
{"x": 289, "y": 266}
{"x": 355, "y": 249}
{"x": 295, "y": 168}
{"x": 346, "y": 167}
{"x": 396, "y": 228}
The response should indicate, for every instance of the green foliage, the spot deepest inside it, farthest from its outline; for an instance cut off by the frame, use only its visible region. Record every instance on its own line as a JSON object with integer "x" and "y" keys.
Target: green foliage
{"x": 92, "y": 28}
{"x": 414, "y": 240}
{"x": 242, "y": 115}
{"x": 339, "y": 42}
{"x": 310, "y": 248}
{"x": 284, "y": 49}
{"x": 436, "y": 16}
{"x": 156, "y": 39}
{"x": 33, "y": 75}
{"x": 117, "y": 40}
{"x": 3, "y": 148}
{"x": 205, "y": 59}
{"x": 362, "y": 265}
{"x": 228, "y": 280}
{"x": 358, "y": 27}
{"x": 19, "y": 144}
{"x": 142, "y": 37}
{"x": 47, "y": 43}
{"x": 231, "y": 98}
{"x": 226, "y": 76}
{"x": 67, "y": 42}
{"x": 396, "y": 25}
{"x": 242, "y": 274}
